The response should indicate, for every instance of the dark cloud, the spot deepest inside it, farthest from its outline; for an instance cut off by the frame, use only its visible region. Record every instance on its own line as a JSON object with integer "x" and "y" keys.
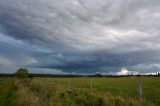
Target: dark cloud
{"x": 84, "y": 36}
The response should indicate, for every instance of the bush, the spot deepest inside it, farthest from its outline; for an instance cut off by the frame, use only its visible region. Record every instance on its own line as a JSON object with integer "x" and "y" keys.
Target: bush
{"x": 21, "y": 73}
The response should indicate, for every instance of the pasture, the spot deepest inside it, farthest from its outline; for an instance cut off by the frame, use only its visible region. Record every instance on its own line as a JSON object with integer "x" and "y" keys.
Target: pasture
{"x": 80, "y": 91}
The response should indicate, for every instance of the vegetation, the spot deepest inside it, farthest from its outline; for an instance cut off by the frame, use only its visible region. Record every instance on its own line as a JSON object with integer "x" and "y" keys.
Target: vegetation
{"x": 7, "y": 95}
{"x": 21, "y": 73}
{"x": 76, "y": 91}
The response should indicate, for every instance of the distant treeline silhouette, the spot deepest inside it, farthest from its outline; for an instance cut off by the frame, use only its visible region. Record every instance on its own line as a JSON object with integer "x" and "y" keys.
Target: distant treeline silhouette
{"x": 78, "y": 75}
{"x": 23, "y": 73}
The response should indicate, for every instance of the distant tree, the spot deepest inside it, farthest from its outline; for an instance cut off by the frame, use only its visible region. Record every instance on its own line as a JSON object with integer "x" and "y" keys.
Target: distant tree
{"x": 138, "y": 75}
{"x": 22, "y": 73}
{"x": 98, "y": 75}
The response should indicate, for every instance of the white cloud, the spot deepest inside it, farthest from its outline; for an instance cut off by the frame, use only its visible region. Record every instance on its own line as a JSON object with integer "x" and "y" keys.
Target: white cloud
{"x": 5, "y": 62}
{"x": 125, "y": 71}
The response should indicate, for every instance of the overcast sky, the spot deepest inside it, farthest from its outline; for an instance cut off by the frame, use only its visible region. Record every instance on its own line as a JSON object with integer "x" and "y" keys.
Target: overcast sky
{"x": 80, "y": 36}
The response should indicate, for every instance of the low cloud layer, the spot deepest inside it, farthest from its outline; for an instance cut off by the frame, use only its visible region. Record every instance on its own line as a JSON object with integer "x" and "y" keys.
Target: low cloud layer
{"x": 81, "y": 36}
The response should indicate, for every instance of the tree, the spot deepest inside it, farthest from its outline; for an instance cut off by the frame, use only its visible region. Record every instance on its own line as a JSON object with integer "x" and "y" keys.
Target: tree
{"x": 98, "y": 75}
{"x": 21, "y": 73}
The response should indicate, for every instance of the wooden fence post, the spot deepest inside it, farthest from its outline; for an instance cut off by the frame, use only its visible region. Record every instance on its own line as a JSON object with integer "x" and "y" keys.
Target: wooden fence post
{"x": 91, "y": 85}
{"x": 46, "y": 83}
{"x": 69, "y": 84}
{"x": 140, "y": 90}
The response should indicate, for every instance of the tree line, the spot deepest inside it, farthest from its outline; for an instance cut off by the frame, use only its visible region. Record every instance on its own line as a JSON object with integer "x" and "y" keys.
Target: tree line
{"x": 24, "y": 73}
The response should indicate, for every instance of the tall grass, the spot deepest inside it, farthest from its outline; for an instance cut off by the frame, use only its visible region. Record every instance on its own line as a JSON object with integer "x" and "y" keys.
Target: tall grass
{"x": 7, "y": 94}
{"x": 124, "y": 87}
{"x": 24, "y": 95}
{"x": 57, "y": 93}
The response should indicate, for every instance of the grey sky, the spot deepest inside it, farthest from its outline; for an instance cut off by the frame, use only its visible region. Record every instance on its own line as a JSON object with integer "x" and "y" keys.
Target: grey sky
{"x": 81, "y": 36}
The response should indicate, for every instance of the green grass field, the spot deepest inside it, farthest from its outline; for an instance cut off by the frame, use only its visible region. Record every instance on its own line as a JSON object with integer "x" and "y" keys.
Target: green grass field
{"x": 125, "y": 87}
{"x": 7, "y": 95}
{"x": 76, "y": 92}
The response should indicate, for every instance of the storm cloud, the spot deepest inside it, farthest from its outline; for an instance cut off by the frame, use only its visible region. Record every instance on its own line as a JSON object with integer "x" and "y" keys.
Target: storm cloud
{"x": 80, "y": 36}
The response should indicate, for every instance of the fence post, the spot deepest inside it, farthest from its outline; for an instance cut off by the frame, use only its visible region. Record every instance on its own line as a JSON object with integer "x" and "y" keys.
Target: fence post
{"x": 30, "y": 81}
{"x": 69, "y": 84}
{"x": 46, "y": 83}
{"x": 140, "y": 90}
{"x": 91, "y": 83}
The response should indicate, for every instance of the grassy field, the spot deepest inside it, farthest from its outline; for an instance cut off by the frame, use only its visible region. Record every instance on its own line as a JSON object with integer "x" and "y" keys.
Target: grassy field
{"x": 77, "y": 92}
{"x": 125, "y": 87}
{"x": 7, "y": 95}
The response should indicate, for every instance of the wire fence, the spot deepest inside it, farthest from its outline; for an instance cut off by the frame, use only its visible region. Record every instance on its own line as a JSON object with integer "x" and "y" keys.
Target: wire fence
{"x": 134, "y": 88}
